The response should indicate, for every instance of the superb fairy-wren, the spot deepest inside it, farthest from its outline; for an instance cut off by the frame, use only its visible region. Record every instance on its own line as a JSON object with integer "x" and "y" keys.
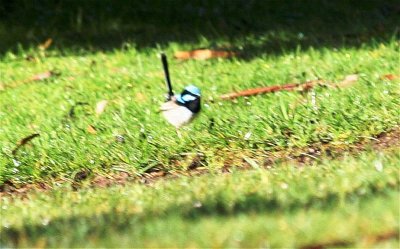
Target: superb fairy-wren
{"x": 182, "y": 108}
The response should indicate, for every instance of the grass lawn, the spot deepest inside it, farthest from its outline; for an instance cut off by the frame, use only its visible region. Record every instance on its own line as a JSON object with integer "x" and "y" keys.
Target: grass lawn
{"x": 352, "y": 200}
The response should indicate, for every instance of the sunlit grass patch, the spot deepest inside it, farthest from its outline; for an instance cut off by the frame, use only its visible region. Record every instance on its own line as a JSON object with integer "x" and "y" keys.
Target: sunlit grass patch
{"x": 132, "y": 83}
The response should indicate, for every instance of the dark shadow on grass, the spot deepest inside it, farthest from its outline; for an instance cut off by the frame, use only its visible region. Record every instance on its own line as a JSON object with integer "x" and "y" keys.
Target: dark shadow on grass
{"x": 75, "y": 230}
{"x": 274, "y": 26}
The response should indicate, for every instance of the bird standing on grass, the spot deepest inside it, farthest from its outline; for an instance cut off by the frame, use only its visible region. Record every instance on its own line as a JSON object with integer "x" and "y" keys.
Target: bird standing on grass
{"x": 182, "y": 108}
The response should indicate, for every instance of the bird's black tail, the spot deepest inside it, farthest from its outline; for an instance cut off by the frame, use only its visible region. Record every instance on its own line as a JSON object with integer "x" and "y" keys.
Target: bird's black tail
{"x": 166, "y": 73}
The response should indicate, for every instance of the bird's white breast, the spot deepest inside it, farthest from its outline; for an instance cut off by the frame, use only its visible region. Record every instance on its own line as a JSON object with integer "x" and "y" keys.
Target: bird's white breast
{"x": 175, "y": 114}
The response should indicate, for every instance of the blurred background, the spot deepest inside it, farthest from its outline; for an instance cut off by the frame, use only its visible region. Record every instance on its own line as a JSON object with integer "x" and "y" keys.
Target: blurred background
{"x": 279, "y": 25}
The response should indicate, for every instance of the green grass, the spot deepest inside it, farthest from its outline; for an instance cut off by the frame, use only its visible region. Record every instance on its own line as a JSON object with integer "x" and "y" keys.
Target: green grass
{"x": 298, "y": 201}
{"x": 132, "y": 83}
{"x": 355, "y": 225}
{"x": 351, "y": 201}
{"x": 131, "y": 79}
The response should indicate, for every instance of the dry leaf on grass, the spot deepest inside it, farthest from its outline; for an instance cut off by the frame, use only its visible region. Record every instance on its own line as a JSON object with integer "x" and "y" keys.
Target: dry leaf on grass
{"x": 36, "y": 77}
{"x": 46, "y": 44}
{"x": 390, "y": 77}
{"x": 41, "y": 76}
{"x": 24, "y": 141}
{"x": 348, "y": 81}
{"x": 203, "y": 54}
{"x": 100, "y": 106}
{"x": 91, "y": 129}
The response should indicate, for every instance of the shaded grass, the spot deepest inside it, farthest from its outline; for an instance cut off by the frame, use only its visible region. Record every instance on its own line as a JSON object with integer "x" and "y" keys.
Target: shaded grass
{"x": 327, "y": 193}
{"x": 359, "y": 223}
{"x": 273, "y": 26}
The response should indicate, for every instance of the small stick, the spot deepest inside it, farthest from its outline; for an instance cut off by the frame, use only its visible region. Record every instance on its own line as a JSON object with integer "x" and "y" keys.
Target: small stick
{"x": 167, "y": 78}
{"x": 23, "y": 141}
{"x": 288, "y": 87}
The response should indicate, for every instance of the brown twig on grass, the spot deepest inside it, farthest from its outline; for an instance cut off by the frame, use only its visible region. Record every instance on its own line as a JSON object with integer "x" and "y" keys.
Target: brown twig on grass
{"x": 346, "y": 82}
{"x": 269, "y": 89}
{"x": 24, "y": 141}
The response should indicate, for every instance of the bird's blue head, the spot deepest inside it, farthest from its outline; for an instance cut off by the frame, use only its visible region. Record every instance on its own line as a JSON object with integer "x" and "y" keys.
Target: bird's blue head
{"x": 190, "y": 98}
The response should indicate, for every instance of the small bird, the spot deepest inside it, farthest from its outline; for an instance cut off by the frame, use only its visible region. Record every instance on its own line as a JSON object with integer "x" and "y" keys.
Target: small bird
{"x": 182, "y": 108}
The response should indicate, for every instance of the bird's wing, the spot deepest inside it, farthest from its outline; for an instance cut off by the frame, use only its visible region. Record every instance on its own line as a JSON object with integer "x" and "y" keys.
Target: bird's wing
{"x": 168, "y": 106}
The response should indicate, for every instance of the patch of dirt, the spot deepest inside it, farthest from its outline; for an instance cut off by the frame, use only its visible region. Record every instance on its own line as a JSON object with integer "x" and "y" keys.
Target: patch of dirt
{"x": 333, "y": 244}
{"x": 368, "y": 241}
{"x": 196, "y": 164}
{"x": 9, "y": 188}
{"x": 106, "y": 181}
{"x": 383, "y": 141}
